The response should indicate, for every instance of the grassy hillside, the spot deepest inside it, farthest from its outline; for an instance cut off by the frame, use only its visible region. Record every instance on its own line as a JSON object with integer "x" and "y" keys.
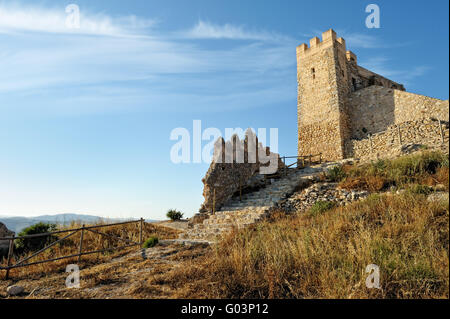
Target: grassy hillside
{"x": 402, "y": 227}
{"x": 324, "y": 255}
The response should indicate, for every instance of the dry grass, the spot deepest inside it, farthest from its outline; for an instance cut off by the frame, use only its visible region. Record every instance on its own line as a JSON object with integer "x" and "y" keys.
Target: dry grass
{"x": 129, "y": 276}
{"x": 302, "y": 256}
{"x": 429, "y": 168}
{"x": 321, "y": 255}
{"x": 325, "y": 256}
{"x": 91, "y": 242}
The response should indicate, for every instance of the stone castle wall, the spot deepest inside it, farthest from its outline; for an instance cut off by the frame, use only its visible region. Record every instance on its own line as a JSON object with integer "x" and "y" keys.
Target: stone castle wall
{"x": 234, "y": 163}
{"x": 320, "y": 128}
{"x": 401, "y": 138}
{"x": 339, "y": 101}
{"x": 376, "y": 108}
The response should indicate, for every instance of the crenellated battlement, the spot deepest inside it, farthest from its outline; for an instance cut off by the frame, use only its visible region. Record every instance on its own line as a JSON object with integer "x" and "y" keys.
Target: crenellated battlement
{"x": 328, "y": 39}
{"x": 328, "y": 76}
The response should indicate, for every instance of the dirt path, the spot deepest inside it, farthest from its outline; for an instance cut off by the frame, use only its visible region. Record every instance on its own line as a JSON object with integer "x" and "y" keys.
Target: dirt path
{"x": 143, "y": 274}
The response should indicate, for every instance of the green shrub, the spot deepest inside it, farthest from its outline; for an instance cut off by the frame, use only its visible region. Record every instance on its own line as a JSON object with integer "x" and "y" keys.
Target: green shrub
{"x": 414, "y": 165}
{"x": 174, "y": 214}
{"x": 336, "y": 174}
{"x": 36, "y": 243}
{"x": 151, "y": 242}
{"x": 420, "y": 189}
{"x": 377, "y": 168}
{"x": 399, "y": 172}
{"x": 320, "y": 207}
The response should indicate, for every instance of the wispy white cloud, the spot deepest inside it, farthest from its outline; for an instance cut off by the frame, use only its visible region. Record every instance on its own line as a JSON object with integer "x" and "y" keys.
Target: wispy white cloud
{"x": 360, "y": 40}
{"x": 385, "y": 67}
{"x": 148, "y": 67}
{"x": 208, "y": 30}
{"x": 78, "y": 72}
{"x": 16, "y": 19}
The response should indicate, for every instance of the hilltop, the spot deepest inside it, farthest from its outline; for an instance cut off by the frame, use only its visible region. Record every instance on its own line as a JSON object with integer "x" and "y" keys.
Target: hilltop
{"x": 320, "y": 251}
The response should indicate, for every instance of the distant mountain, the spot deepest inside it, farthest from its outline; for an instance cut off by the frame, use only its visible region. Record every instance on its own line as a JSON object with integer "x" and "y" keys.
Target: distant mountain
{"x": 16, "y": 224}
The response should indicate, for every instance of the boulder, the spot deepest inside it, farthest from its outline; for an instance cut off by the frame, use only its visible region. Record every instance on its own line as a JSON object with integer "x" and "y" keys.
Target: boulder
{"x": 15, "y": 290}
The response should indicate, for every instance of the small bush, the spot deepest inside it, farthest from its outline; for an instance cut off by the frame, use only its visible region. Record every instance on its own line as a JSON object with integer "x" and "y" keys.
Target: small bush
{"x": 376, "y": 183}
{"x": 320, "y": 207}
{"x": 151, "y": 242}
{"x": 174, "y": 214}
{"x": 36, "y": 243}
{"x": 420, "y": 189}
{"x": 336, "y": 174}
{"x": 425, "y": 168}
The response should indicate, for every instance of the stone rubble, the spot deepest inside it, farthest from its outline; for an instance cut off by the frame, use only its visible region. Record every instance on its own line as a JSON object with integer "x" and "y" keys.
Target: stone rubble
{"x": 329, "y": 192}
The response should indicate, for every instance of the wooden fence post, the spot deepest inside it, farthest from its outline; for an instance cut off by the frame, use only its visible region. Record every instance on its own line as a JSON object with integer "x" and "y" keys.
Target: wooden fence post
{"x": 80, "y": 250}
{"x": 240, "y": 190}
{"x": 441, "y": 131}
{"x": 399, "y": 135}
{"x": 10, "y": 253}
{"x": 214, "y": 200}
{"x": 141, "y": 231}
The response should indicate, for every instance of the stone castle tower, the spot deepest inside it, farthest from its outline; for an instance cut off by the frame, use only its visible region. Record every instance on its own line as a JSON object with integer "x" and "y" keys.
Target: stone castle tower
{"x": 336, "y": 96}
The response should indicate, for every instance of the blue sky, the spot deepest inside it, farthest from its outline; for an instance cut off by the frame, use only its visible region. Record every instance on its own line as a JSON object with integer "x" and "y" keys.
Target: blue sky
{"x": 86, "y": 114}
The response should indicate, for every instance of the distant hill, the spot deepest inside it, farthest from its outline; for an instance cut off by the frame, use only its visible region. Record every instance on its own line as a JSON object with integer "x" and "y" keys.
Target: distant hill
{"x": 16, "y": 224}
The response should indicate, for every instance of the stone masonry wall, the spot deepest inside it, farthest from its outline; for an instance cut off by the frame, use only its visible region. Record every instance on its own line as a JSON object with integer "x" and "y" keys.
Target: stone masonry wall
{"x": 234, "y": 164}
{"x": 413, "y": 134}
{"x": 327, "y": 75}
{"x": 315, "y": 139}
{"x": 320, "y": 97}
{"x": 375, "y": 108}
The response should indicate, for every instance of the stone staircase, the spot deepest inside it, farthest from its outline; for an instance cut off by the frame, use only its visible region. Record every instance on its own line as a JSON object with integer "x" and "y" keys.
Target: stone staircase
{"x": 255, "y": 206}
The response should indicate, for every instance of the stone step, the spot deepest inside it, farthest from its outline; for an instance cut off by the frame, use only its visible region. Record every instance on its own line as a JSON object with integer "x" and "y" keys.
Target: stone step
{"x": 253, "y": 207}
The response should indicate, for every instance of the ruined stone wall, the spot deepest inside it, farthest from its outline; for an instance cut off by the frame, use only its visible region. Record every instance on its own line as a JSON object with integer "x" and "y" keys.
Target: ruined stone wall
{"x": 375, "y": 108}
{"x": 401, "y": 138}
{"x": 234, "y": 163}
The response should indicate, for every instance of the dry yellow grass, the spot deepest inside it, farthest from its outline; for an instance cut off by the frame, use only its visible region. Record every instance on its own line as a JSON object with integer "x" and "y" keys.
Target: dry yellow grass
{"x": 91, "y": 242}
{"x": 320, "y": 255}
{"x": 302, "y": 256}
{"x": 325, "y": 256}
{"x": 429, "y": 168}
